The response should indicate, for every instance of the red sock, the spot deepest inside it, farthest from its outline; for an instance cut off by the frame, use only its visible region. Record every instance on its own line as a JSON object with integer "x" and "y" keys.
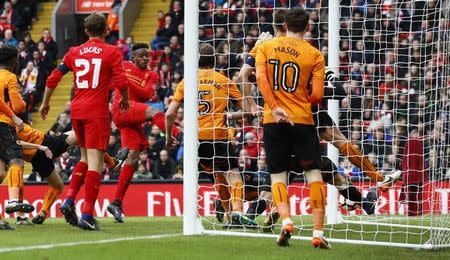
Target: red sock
{"x": 92, "y": 187}
{"x": 78, "y": 176}
{"x": 160, "y": 120}
{"x": 124, "y": 181}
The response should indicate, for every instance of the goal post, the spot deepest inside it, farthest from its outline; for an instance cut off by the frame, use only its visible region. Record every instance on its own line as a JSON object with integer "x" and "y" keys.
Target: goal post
{"x": 393, "y": 60}
{"x": 191, "y": 221}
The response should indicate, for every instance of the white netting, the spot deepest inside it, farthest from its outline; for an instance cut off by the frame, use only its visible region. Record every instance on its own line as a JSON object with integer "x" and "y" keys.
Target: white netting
{"x": 394, "y": 66}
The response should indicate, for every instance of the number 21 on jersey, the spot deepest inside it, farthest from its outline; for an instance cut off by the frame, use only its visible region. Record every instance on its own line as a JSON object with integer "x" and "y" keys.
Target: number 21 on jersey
{"x": 85, "y": 66}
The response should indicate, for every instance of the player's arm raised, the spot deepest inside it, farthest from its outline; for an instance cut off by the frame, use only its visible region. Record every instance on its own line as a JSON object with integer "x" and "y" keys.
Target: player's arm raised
{"x": 318, "y": 80}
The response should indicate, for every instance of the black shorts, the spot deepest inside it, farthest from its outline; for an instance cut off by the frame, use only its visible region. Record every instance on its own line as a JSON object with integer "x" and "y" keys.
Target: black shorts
{"x": 56, "y": 144}
{"x": 11, "y": 143}
{"x": 43, "y": 165}
{"x": 216, "y": 156}
{"x": 322, "y": 120}
{"x": 257, "y": 181}
{"x": 281, "y": 141}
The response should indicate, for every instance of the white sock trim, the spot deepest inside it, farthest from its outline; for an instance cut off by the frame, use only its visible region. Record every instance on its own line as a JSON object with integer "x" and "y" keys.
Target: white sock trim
{"x": 318, "y": 233}
{"x": 286, "y": 221}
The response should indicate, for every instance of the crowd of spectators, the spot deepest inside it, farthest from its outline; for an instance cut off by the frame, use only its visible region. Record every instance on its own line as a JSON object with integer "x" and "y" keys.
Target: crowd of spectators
{"x": 393, "y": 66}
{"x": 36, "y": 58}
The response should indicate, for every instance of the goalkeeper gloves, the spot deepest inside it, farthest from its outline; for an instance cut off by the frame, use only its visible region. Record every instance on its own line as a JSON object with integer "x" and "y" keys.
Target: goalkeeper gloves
{"x": 263, "y": 37}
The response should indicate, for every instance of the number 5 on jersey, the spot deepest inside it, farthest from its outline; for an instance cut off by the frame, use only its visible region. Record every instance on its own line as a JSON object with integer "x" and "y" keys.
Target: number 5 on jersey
{"x": 85, "y": 66}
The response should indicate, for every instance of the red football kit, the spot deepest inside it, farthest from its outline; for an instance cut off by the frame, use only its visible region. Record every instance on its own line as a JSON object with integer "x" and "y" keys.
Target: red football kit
{"x": 95, "y": 66}
{"x": 141, "y": 87}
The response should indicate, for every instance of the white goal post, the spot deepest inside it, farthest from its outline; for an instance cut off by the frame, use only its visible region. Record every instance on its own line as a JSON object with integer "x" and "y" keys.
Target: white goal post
{"x": 390, "y": 225}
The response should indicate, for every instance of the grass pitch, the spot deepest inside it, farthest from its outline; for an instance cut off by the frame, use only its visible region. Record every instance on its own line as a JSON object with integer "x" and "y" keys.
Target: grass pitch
{"x": 146, "y": 238}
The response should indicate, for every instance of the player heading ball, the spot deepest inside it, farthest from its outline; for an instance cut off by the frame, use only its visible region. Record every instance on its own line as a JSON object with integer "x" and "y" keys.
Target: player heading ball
{"x": 284, "y": 67}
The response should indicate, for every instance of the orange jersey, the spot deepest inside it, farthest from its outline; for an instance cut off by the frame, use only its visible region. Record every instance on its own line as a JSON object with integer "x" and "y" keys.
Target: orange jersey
{"x": 215, "y": 93}
{"x": 30, "y": 135}
{"x": 254, "y": 51}
{"x": 9, "y": 92}
{"x": 291, "y": 63}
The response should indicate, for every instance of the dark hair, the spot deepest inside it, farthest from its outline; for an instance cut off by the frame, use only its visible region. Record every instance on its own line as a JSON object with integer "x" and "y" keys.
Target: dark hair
{"x": 138, "y": 46}
{"x": 278, "y": 19}
{"x": 95, "y": 24}
{"x": 7, "y": 53}
{"x": 297, "y": 19}
{"x": 206, "y": 59}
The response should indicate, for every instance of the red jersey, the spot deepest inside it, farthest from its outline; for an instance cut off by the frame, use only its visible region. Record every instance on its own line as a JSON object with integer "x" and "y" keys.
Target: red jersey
{"x": 95, "y": 66}
{"x": 141, "y": 83}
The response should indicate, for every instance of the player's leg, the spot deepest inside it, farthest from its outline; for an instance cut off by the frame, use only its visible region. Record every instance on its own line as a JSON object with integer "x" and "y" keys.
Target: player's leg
{"x": 346, "y": 188}
{"x": 55, "y": 188}
{"x": 125, "y": 177}
{"x": 237, "y": 190}
{"x": 307, "y": 150}
{"x": 13, "y": 149}
{"x": 4, "y": 225}
{"x": 159, "y": 119}
{"x": 77, "y": 136}
{"x": 222, "y": 205}
{"x": 92, "y": 188}
{"x": 278, "y": 146}
{"x": 97, "y": 136}
{"x": 78, "y": 176}
{"x": 333, "y": 135}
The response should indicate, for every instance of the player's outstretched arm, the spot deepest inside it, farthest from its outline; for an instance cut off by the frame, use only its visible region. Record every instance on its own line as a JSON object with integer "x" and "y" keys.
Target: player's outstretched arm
{"x": 45, "y": 149}
{"x": 171, "y": 112}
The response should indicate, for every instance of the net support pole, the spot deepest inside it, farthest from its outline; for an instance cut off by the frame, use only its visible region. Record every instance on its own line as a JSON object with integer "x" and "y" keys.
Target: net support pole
{"x": 191, "y": 222}
{"x": 333, "y": 213}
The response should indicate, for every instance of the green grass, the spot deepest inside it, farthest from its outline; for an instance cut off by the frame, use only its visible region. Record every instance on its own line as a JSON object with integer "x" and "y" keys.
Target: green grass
{"x": 56, "y": 231}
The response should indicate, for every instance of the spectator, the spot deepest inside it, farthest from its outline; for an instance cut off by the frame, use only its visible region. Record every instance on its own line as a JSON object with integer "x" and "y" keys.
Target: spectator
{"x": 113, "y": 22}
{"x": 62, "y": 125}
{"x": 178, "y": 172}
{"x": 5, "y": 25}
{"x": 66, "y": 163}
{"x": 153, "y": 148}
{"x": 163, "y": 35}
{"x": 29, "y": 43}
{"x": 28, "y": 79}
{"x": 13, "y": 16}
{"x": 164, "y": 166}
{"x": 24, "y": 56}
{"x": 49, "y": 45}
{"x": 415, "y": 175}
{"x": 143, "y": 173}
{"x": 9, "y": 38}
{"x": 126, "y": 52}
{"x": 113, "y": 145}
{"x": 176, "y": 12}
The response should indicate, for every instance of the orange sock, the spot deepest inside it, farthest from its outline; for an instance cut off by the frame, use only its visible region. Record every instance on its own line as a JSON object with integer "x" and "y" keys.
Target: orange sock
{"x": 50, "y": 197}
{"x": 237, "y": 192}
{"x": 317, "y": 198}
{"x": 281, "y": 199}
{"x": 109, "y": 160}
{"x": 356, "y": 157}
{"x": 221, "y": 186}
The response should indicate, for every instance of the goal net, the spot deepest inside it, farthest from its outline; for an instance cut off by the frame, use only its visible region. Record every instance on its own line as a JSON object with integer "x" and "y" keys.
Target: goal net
{"x": 392, "y": 60}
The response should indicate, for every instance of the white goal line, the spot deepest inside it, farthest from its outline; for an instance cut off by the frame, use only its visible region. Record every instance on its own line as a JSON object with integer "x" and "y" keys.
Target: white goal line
{"x": 333, "y": 240}
{"x": 78, "y": 243}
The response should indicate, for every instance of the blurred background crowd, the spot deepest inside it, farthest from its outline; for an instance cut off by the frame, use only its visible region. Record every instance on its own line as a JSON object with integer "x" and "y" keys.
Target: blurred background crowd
{"x": 394, "y": 66}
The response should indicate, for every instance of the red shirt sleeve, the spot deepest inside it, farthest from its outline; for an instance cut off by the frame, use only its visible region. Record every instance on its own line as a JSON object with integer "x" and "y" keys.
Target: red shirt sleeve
{"x": 59, "y": 72}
